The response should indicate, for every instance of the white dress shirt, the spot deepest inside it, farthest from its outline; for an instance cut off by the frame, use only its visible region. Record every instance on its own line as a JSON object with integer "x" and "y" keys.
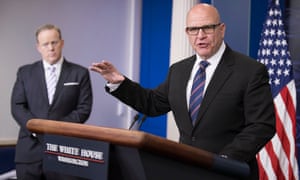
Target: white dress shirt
{"x": 57, "y": 65}
{"x": 209, "y": 71}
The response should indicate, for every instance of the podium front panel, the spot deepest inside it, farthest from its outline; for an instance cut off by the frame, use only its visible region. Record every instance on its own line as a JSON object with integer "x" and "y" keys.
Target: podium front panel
{"x": 76, "y": 156}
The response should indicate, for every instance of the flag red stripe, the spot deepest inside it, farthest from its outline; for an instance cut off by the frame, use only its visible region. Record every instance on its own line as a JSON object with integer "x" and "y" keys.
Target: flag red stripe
{"x": 283, "y": 138}
{"x": 274, "y": 161}
{"x": 287, "y": 98}
{"x": 282, "y": 134}
{"x": 262, "y": 172}
{"x": 285, "y": 144}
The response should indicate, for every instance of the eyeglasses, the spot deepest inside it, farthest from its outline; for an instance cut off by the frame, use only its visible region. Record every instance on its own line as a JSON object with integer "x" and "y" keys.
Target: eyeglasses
{"x": 52, "y": 43}
{"x": 207, "y": 29}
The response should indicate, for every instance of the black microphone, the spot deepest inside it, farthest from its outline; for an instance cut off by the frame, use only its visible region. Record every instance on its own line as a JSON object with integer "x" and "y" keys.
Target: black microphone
{"x": 135, "y": 119}
{"x": 142, "y": 121}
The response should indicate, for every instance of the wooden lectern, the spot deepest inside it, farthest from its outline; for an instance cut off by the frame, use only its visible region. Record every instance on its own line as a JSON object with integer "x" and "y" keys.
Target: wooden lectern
{"x": 136, "y": 155}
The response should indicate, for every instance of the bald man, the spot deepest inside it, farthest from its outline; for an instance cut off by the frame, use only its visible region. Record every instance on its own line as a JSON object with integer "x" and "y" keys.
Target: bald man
{"x": 236, "y": 116}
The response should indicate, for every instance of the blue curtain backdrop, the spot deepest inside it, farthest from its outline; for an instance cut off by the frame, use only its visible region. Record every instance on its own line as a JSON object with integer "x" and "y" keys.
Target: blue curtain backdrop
{"x": 155, "y": 53}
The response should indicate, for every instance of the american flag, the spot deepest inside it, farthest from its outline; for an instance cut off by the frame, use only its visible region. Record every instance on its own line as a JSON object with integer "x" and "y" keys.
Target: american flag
{"x": 277, "y": 160}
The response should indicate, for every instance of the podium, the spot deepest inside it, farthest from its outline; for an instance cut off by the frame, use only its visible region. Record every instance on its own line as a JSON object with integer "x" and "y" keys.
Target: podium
{"x": 136, "y": 155}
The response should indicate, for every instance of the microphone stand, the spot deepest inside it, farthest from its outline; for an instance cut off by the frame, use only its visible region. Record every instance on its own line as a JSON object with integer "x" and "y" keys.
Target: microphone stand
{"x": 142, "y": 121}
{"x": 135, "y": 119}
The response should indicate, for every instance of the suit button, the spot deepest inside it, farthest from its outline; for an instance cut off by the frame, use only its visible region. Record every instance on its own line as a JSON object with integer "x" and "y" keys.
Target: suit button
{"x": 193, "y": 138}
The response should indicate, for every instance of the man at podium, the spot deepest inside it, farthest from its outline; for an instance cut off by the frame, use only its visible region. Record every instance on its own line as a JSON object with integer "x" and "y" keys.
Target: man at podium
{"x": 232, "y": 102}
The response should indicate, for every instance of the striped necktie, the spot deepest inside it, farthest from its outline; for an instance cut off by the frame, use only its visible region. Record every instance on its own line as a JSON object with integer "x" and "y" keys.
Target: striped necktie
{"x": 51, "y": 82}
{"x": 197, "y": 91}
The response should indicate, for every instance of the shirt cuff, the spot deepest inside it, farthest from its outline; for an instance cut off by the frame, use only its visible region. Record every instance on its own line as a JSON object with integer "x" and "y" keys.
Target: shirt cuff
{"x": 112, "y": 87}
{"x": 33, "y": 135}
{"x": 223, "y": 156}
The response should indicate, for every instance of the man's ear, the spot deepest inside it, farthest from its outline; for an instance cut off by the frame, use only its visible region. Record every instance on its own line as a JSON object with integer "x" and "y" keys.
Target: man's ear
{"x": 38, "y": 47}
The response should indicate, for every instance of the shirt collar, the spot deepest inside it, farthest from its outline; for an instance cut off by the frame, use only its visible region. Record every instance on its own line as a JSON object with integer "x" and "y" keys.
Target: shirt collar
{"x": 57, "y": 64}
{"x": 215, "y": 59}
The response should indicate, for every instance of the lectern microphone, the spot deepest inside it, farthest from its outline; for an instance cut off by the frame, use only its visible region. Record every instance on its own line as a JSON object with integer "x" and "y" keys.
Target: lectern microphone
{"x": 135, "y": 119}
{"x": 140, "y": 121}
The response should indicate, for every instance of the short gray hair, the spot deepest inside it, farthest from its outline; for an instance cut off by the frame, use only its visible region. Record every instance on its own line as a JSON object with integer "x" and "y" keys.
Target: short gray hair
{"x": 47, "y": 27}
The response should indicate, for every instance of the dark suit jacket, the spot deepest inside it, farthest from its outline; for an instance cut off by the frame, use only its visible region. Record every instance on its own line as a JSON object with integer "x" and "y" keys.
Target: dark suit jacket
{"x": 236, "y": 116}
{"x": 72, "y": 102}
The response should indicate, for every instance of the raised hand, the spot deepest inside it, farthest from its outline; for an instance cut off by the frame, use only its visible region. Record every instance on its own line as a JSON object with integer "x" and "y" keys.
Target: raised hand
{"x": 108, "y": 72}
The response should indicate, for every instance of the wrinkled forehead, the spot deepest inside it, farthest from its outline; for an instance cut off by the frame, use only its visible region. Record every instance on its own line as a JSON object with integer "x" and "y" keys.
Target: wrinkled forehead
{"x": 48, "y": 35}
{"x": 202, "y": 15}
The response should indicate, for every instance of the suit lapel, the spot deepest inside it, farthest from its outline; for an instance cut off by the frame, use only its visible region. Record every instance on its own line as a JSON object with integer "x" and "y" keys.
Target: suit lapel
{"x": 222, "y": 73}
{"x": 181, "y": 94}
{"x": 41, "y": 79}
{"x": 186, "y": 76}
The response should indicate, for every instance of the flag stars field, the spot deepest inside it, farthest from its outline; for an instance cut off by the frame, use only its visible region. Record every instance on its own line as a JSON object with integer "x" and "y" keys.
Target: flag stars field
{"x": 277, "y": 160}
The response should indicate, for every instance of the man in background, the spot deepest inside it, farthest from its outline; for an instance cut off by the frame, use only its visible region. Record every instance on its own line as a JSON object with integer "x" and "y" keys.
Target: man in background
{"x": 52, "y": 88}
{"x": 221, "y": 99}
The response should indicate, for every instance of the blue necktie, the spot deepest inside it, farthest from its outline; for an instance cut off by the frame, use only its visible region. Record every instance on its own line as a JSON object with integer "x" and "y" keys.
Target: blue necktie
{"x": 197, "y": 91}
